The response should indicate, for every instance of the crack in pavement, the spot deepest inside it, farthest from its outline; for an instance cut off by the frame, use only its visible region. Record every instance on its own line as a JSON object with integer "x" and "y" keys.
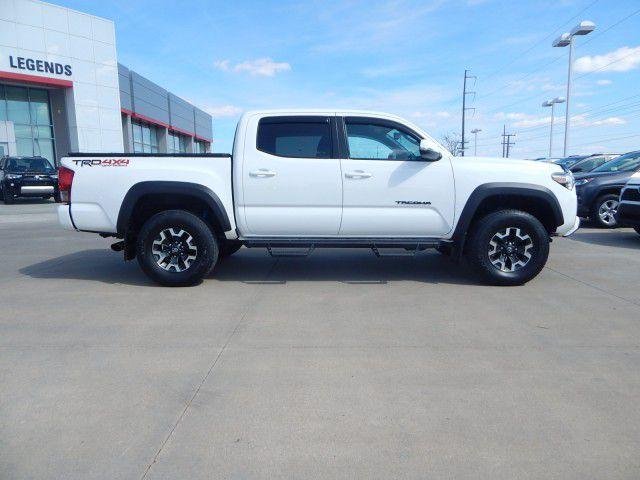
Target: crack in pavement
{"x": 250, "y": 304}
{"x": 595, "y": 287}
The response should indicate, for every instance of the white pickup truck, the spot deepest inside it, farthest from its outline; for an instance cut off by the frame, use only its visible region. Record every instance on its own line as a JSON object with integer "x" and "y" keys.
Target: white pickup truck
{"x": 298, "y": 180}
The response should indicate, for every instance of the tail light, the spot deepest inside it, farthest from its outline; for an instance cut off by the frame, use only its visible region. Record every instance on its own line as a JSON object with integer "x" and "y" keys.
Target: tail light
{"x": 65, "y": 179}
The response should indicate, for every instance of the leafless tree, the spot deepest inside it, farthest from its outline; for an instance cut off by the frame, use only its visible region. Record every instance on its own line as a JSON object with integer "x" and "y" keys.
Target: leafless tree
{"x": 451, "y": 141}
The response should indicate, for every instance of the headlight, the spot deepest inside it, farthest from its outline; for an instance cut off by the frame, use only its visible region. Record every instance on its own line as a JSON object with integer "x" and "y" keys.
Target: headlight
{"x": 582, "y": 181}
{"x": 13, "y": 176}
{"x": 564, "y": 178}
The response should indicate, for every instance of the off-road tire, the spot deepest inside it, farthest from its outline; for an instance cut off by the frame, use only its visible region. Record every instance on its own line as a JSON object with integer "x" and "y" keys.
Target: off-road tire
{"x": 600, "y": 203}
{"x": 197, "y": 238}
{"x": 529, "y": 238}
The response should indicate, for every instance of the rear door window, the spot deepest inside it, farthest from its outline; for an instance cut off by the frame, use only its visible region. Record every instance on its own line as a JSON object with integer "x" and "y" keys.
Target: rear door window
{"x": 295, "y": 137}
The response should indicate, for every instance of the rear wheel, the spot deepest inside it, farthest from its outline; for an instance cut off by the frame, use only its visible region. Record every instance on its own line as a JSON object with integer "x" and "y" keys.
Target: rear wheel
{"x": 605, "y": 209}
{"x": 176, "y": 249}
{"x": 508, "y": 247}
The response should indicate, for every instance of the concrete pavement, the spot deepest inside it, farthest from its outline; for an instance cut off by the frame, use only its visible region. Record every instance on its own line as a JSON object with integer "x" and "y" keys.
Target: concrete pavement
{"x": 340, "y": 365}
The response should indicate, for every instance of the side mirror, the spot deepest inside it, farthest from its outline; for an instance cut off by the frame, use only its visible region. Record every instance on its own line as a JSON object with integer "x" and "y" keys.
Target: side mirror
{"x": 427, "y": 153}
{"x": 576, "y": 170}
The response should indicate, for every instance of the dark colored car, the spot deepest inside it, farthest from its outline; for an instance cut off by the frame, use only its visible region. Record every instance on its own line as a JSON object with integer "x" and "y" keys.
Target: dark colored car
{"x": 568, "y": 162}
{"x": 592, "y": 162}
{"x": 27, "y": 177}
{"x": 584, "y": 163}
{"x": 599, "y": 190}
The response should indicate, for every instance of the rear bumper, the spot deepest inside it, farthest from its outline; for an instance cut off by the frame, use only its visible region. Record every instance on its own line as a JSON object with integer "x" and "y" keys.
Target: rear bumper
{"x": 64, "y": 217}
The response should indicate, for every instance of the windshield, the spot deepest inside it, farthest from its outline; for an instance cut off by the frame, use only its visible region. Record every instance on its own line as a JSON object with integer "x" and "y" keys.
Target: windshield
{"x": 568, "y": 161}
{"x": 625, "y": 163}
{"x": 22, "y": 165}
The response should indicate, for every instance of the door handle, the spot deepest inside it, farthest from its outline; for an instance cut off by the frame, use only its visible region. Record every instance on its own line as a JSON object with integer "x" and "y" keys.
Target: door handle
{"x": 262, "y": 173}
{"x": 357, "y": 174}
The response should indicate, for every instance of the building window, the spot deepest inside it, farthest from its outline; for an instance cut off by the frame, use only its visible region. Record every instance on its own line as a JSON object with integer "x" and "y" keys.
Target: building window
{"x": 29, "y": 111}
{"x": 145, "y": 138}
{"x": 200, "y": 146}
{"x": 176, "y": 143}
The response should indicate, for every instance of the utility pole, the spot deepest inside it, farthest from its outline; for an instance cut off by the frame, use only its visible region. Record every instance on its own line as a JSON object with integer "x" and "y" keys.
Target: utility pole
{"x": 506, "y": 142}
{"x": 463, "y": 142}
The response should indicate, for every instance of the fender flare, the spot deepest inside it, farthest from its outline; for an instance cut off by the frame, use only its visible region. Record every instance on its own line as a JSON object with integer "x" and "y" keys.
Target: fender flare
{"x": 486, "y": 190}
{"x": 139, "y": 190}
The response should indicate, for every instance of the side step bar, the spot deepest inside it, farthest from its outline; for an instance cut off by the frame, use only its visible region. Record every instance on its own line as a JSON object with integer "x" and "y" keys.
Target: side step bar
{"x": 352, "y": 242}
{"x": 302, "y": 247}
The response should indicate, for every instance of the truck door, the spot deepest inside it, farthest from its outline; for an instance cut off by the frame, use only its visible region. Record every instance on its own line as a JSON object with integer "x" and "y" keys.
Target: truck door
{"x": 389, "y": 191}
{"x": 291, "y": 176}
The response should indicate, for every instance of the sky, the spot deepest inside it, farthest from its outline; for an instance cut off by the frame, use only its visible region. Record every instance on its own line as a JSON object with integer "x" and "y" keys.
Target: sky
{"x": 399, "y": 56}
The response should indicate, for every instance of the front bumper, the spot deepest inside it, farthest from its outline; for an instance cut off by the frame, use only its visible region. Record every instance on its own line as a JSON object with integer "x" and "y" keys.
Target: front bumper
{"x": 26, "y": 188}
{"x": 629, "y": 213}
{"x": 584, "y": 198}
{"x": 575, "y": 227}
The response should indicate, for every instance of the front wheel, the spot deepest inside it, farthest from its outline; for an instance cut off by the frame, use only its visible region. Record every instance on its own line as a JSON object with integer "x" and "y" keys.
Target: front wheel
{"x": 605, "y": 209}
{"x": 508, "y": 247}
{"x": 176, "y": 249}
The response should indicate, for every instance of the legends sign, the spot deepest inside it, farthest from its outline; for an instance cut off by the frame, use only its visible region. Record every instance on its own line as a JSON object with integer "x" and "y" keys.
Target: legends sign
{"x": 42, "y": 66}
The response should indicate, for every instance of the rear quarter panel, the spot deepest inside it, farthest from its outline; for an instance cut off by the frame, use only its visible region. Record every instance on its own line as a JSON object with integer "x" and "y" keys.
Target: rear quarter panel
{"x": 99, "y": 189}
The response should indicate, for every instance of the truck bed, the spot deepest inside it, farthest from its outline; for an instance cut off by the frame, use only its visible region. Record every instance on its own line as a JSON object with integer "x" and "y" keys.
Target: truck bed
{"x": 102, "y": 181}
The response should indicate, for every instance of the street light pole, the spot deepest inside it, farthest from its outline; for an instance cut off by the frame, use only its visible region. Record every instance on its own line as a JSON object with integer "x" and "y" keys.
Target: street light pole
{"x": 552, "y": 103}
{"x": 566, "y": 111}
{"x": 475, "y": 140}
{"x": 566, "y": 40}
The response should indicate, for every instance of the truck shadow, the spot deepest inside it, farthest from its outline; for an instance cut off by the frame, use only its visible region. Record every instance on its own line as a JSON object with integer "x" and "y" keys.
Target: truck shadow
{"x": 255, "y": 266}
{"x": 618, "y": 238}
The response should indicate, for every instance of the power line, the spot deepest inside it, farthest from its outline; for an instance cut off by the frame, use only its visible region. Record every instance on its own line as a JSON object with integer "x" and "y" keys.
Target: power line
{"x": 547, "y": 64}
{"x": 633, "y": 52}
{"x": 602, "y": 32}
{"x": 543, "y": 39}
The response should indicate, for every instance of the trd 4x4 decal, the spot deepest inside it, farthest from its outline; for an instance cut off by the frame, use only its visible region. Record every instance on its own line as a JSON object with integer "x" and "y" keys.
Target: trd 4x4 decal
{"x": 107, "y": 162}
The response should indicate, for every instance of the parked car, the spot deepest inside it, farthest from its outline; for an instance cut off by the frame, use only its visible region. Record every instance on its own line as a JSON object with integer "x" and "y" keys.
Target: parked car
{"x": 592, "y": 162}
{"x": 320, "y": 179}
{"x": 599, "y": 190}
{"x": 573, "y": 161}
{"x": 568, "y": 162}
{"x": 629, "y": 208}
{"x": 27, "y": 177}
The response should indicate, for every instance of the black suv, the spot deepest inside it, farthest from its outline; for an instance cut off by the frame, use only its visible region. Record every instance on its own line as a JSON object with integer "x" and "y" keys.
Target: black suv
{"x": 27, "y": 177}
{"x": 599, "y": 190}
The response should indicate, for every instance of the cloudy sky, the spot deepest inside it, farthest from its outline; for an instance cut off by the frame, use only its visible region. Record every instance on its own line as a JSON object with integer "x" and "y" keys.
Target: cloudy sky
{"x": 400, "y": 56}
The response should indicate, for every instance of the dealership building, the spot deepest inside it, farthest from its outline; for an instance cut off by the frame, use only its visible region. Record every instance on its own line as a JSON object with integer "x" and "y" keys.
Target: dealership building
{"x": 62, "y": 90}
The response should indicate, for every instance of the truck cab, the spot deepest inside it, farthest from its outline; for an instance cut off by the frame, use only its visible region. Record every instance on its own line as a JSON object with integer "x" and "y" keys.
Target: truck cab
{"x": 347, "y": 175}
